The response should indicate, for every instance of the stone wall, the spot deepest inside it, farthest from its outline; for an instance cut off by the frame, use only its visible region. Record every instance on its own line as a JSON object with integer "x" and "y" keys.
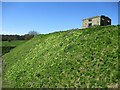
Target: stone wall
{"x": 97, "y": 20}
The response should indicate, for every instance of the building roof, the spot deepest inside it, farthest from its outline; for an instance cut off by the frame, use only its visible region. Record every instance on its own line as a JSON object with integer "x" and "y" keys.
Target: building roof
{"x": 91, "y": 17}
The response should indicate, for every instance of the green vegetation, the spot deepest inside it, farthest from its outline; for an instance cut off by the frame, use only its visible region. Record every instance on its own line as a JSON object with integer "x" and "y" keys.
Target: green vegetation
{"x": 8, "y": 45}
{"x": 13, "y": 43}
{"x": 73, "y": 58}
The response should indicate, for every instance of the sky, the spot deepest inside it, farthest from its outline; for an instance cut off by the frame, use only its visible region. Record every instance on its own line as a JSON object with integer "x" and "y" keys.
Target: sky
{"x": 60, "y": 0}
{"x": 47, "y": 17}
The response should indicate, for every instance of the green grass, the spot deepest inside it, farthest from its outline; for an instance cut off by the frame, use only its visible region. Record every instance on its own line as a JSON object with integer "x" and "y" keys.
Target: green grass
{"x": 7, "y": 46}
{"x": 74, "y": 58}
{"x": 13, "y": 43}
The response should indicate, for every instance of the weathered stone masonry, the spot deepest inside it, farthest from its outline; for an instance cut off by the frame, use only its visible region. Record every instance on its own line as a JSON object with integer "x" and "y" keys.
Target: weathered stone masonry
{"x": 96, "y": 20}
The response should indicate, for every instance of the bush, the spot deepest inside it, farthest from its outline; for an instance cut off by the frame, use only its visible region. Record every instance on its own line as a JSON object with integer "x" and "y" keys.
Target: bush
{"x": 28, "y": 37}
{"x": 6, "y": 49}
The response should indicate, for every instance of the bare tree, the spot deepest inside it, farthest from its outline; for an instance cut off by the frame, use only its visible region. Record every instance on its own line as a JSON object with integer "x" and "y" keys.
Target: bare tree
{"x": 33, "y": 33}
{"x": 30, "y": 35}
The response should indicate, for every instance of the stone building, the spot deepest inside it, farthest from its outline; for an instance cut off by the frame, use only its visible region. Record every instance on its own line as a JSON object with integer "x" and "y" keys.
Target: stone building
{"x": 96, "y": 20}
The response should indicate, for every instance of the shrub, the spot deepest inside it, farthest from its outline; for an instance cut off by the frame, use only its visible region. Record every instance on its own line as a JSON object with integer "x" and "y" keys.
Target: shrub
{"x": 6, "y": 49}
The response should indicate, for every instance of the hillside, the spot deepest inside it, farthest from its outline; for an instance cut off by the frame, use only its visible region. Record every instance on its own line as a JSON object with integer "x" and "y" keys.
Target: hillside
{"x": 74, "y": 58}
{"x": 7, "y": 46}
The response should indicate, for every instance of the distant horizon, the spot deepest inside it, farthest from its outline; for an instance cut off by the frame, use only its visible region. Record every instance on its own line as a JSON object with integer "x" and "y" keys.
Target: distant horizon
{"x": 53, "y": 31}
{"x": 47, "y": 17}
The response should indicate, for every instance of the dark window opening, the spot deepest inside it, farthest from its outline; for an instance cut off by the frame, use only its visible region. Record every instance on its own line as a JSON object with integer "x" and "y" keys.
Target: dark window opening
{"x": 90, "y": 24}
{"x": 90, "y": 19}
{"x": 102, "y": 24}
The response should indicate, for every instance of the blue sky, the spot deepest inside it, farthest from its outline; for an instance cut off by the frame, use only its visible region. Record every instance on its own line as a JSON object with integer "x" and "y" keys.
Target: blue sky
{"x": 46, "y": 17}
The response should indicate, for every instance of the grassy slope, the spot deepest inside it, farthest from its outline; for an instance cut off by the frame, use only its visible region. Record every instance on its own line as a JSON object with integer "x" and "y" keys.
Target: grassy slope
{"x": 7, "y": 46}
{"x": 13, "y": 43}
{"x": 75, "y": 58}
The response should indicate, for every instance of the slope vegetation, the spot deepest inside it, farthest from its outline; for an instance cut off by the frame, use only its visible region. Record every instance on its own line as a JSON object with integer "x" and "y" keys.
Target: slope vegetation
{"x": 9, "y": 45}
{"x": 74, "y": 58}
